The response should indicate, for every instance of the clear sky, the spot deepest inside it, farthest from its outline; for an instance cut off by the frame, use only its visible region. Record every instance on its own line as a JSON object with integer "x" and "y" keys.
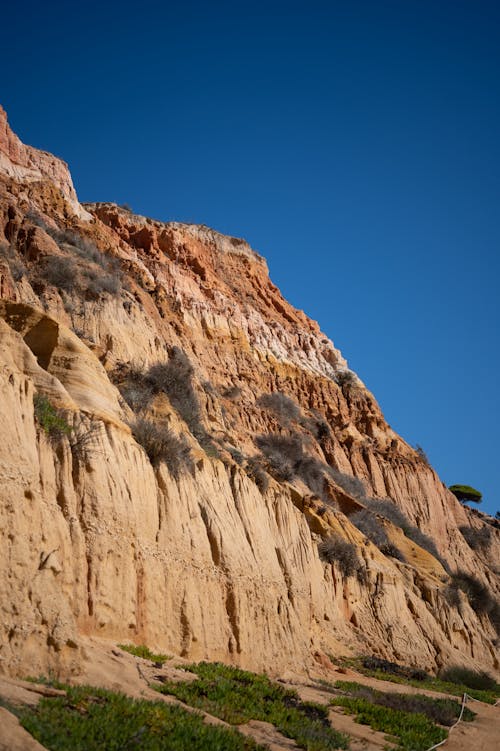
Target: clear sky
{"x": 354, "y": 144}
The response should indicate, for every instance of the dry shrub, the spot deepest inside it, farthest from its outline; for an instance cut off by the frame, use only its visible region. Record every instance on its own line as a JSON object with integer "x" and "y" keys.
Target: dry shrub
{"x": 282, "y": 453}
{"x": 368, "y": 524}
{"x": 352, "y": 485}
{"x": 477, "y": 539}
{"x": 283, "y": 406}
{"x": 389, "y": 510}
{"x": 479, "y": 596}
{"x": 255, "y": 470}
{"x": 162, "y": 445}
{"x": 61, "y": 272}
{"x": 340, "y": 552}
{"x": 386, "y": 666}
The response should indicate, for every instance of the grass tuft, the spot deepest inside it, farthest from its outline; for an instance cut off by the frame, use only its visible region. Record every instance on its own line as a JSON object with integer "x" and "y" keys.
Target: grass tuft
{"x": 140, "y": 650}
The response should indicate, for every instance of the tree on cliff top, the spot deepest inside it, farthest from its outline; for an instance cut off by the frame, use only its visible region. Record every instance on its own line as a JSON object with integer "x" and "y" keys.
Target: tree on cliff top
{"x": 466, "y": 493}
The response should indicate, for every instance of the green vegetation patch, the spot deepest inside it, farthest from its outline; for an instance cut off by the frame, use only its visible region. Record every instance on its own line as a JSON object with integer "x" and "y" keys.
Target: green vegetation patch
{"x": 429, "y": 682}
{"x": 140, "y": 650}
{"x": 466, "y": 493}
{"x": 49, "y": 418}
{"x": 412, "y": 731}
{"x": 441, "y": 711}
{"x": 92, "y": 719}
{"x": 237, "y": 696}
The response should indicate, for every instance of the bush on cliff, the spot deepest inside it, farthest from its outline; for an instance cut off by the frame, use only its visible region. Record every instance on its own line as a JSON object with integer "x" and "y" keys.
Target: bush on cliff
{"x": 285, "y": 409}
{"x": 466, "y": 493}
{"x": 477, "y": 539}
{"x": 390, "y": 511}
{"x": 340, "y": 552}
{"x": 162, "y": 445}
{"x": 50, "y": 419}
{"x": 368, "y": 524}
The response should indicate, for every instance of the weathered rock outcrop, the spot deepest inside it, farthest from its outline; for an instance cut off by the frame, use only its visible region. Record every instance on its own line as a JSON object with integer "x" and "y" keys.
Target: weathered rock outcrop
{"x": 207, "y": 564}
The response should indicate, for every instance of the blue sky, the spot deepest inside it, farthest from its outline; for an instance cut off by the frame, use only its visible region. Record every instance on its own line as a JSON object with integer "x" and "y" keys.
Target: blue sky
{"x": 354, "y": 144}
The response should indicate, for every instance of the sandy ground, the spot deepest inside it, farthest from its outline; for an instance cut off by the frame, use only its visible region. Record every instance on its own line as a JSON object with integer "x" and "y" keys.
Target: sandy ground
{"x": 110, "y": 667}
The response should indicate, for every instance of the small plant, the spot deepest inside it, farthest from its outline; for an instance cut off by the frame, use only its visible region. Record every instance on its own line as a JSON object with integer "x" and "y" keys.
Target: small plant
{"x": 285, "y": 409}
{"x": 466, "y": 493}
{"x": 386, "y": 666}
{"x": 421, "y": 453}
{"x": 140, "y": 650}
{"x": 340, "y": 552}
{"x": 49, "y": 418}
{"x": 477, "y": 539}
{"x": 162, "y": 445}
{"x": 346, "y": 379}
{"x": 368, "y": 524}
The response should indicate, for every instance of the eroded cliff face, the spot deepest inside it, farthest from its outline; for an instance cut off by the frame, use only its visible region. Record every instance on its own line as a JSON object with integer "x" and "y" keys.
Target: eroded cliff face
{"x": 210, "y": 562}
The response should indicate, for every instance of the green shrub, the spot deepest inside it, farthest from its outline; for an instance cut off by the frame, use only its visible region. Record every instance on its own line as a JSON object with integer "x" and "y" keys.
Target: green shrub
{"x": 470, "y": 678}
{"x": 466, "y": 493}
{"x": 237, "y": 696}
{"x": 140, "y": 650}
{"x": 92, "y": 719}
{"x": 340, "y": 552}
{"x": 386, "y": 666}
{"x": 50, "y": 419}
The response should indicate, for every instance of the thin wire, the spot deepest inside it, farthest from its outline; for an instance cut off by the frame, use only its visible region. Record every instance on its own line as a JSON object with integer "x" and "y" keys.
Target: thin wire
{"x": 464, "y": 702}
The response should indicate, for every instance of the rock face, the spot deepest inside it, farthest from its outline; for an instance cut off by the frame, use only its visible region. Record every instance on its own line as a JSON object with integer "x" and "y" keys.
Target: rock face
{"x": 219, "y": 561}
{"x": 26, "y": 164}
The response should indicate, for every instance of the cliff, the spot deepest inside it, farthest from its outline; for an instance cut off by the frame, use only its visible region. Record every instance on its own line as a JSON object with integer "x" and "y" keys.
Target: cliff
{"x": 209, "y": 549}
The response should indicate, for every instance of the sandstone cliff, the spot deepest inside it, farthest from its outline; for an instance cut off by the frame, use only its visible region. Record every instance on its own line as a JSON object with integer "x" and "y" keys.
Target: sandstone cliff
{"x": 215, "y": 556}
